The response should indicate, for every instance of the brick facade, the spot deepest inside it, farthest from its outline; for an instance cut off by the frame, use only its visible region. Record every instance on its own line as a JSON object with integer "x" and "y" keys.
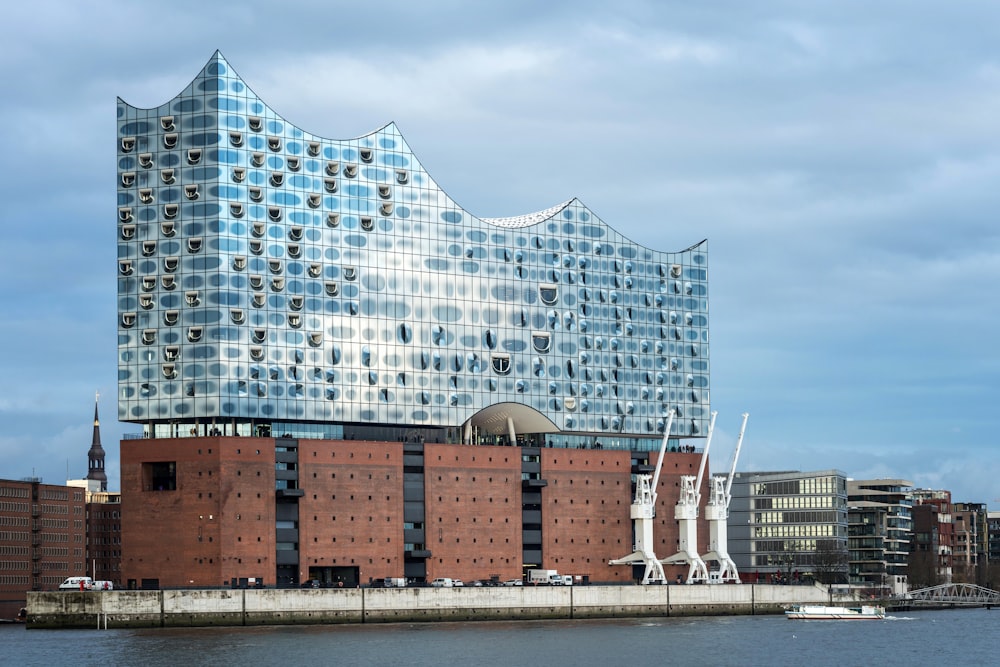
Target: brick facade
{"x": 216, "y": 520}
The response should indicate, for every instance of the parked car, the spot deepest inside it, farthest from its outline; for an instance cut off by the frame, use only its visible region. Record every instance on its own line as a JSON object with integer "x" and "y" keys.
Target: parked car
{"x": 513, "y": 582}
{"x": 457, "y": 583}
{"x": 442, "y": 582}
{"x": 311, "y": 583}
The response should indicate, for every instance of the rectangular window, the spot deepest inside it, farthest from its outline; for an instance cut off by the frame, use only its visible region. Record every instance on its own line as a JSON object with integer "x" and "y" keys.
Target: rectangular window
{"x": 159, "y": 476}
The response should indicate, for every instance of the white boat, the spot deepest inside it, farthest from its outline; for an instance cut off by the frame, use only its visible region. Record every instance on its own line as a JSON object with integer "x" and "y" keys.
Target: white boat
{"x": 815, "y": 612}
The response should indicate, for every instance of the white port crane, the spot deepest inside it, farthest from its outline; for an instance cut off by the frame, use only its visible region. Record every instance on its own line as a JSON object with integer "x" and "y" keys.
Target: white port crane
{"x": 717, "y": 514}
{"x": 643, "y": 511}
{"x": 686, "y": 513}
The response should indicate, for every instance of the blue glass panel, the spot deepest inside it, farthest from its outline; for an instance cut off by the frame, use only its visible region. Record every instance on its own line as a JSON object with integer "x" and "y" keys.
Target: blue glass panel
{"x": 207, "y": 209}
{"x": 359, "y": 205}
{"x": 225, "y": 156}
{"x": 199, "y": 122}
{"x": 592, "y": 231}
{"x": 138, "y": 127}
{"x": 447, "y": 313}
{"x": 187, "y": 105}
{"x": 357, "y": 190}
{"x": 287, "y": 199}
{"x": 226, "y": 192}
{"x": 202, "y": 139}
{"x": 513, "y": 345}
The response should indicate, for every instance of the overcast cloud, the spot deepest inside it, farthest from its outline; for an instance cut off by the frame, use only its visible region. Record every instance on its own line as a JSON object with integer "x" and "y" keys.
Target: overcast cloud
{"x": 842, "y": 158}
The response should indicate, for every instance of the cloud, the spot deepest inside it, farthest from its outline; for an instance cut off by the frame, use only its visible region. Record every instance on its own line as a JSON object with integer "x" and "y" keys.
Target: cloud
{"x": 841, "y": 160}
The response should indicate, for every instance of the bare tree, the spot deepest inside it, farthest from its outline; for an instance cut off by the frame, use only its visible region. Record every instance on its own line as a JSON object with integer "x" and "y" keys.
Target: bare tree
{"x": 922, "y": 569}
{"x": 830, "y": 562}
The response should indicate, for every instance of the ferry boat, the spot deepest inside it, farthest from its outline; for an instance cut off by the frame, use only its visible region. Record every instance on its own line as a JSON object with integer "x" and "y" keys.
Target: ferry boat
{"x": 815, "y": 612}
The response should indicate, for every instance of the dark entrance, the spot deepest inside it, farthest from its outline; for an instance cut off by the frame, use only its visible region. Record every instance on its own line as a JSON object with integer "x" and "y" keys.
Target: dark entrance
{"x": 336, "y": 577}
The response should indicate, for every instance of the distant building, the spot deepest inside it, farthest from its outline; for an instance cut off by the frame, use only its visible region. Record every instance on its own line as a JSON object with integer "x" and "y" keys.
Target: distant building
{"x": 880, "y": 526}
{"x": 104, "y": 537}
{"x": 103, "y": 514}
{"x": 993, "y": 539}
{"x": 41, "y": 539}
{"x": 789, "y": 524}
{"x": 340, "y": 373}
{"x": 971, "y": 542}
{"x": 933, "y": 542}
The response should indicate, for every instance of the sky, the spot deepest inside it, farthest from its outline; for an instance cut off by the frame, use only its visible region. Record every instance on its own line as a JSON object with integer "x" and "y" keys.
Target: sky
{"x": 842, "y": 159}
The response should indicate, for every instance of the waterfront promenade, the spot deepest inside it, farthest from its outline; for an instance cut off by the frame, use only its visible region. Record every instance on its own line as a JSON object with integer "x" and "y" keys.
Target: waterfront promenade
{"x": 248, "y": 607}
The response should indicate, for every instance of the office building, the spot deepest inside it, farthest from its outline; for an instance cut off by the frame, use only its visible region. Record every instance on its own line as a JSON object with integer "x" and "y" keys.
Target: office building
{"x": 41, "y": 539}
{"x": 784, "y": 526}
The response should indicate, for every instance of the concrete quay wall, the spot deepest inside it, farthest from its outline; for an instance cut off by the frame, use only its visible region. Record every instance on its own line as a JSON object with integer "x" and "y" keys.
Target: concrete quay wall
{"x": 221, "y": 607}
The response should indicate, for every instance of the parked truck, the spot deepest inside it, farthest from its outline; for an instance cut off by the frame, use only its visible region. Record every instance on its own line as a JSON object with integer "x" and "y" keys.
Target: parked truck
{"x": 544, "y": 577}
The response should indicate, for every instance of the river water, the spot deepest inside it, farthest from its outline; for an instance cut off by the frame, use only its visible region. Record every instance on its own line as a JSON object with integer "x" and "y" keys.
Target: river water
{"x": 945, "y": 637}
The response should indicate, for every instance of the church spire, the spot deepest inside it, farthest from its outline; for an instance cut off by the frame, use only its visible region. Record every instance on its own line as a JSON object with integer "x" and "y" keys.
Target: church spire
{"x": 95, "y": 457}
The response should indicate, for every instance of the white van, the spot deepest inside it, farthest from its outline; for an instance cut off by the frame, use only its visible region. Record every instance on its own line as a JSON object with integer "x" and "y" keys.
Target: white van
{"x": 85, "y": 584}
{"x": 77, "y": 584}
{"x": 442, "y": 582}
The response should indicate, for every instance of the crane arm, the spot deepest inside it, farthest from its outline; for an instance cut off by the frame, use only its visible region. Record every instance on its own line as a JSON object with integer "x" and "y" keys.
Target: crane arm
{"x": 663, "y": 451}
{"x": 736, "y": 456}
{"x": 704, "y": 455}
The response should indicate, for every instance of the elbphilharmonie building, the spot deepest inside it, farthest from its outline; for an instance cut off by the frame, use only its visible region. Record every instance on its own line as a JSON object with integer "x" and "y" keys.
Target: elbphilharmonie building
{"x": 274, "y": 281}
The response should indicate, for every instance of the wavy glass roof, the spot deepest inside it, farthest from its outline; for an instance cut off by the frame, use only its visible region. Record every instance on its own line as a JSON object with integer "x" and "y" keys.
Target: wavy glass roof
{"x": 270, "y": 274}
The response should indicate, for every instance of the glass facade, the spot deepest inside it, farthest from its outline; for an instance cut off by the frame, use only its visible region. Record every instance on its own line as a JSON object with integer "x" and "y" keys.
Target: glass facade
{"x": 783, "y": 522}
{"x": 880, "y": 527}
{"x": 266, "y": 274}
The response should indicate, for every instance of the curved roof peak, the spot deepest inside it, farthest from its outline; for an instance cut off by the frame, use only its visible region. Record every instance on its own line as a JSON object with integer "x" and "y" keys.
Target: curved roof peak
{"x": 219, "y": 76}
{"x": 528, "y": 219}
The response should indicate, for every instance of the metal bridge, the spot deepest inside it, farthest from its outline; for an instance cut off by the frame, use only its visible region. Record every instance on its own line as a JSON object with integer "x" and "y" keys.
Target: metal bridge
{"x": 953, "y": 595}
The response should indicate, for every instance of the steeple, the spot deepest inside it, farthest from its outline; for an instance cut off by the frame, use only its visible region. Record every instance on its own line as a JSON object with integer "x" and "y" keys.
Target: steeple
{"x": 95, "y": 457}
